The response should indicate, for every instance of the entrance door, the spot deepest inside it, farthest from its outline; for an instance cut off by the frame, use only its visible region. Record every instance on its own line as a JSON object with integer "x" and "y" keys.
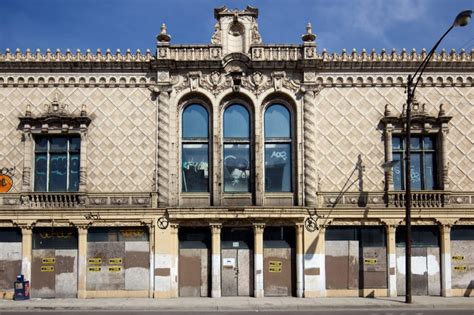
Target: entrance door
{"x": 279, "y": 274}
{"x": 237, "y": 262}
{"x": 194, "y": 261}
{"x": 54, "y": 265}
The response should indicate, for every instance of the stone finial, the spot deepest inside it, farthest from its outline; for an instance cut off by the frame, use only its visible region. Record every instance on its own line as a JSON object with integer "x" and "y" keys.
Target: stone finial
{"x": 309, "y": 36}
{"x": 163, "y": 37}
{"x": 387, "y": 111}
{"x": 441, "y": 112}
{"x": 28, "y": 111}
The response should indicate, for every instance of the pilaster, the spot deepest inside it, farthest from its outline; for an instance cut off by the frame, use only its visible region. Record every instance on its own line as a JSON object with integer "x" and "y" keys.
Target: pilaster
{"x": 314, "y": 263}
{"x": 445, "y": 231}
{"x": 26, "y": 250}
{"x": 216, "y": 259}
{"x": 258, "y": 259}
{"x": 166, "y": 262}
{"x": 390, "y": 229}
{"x": 82, "y": 262}
{"x": 299, "y": 260}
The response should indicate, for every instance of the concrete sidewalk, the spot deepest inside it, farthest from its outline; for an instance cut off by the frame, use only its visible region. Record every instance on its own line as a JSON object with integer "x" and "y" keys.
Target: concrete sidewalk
{"x": 236, "y": 304}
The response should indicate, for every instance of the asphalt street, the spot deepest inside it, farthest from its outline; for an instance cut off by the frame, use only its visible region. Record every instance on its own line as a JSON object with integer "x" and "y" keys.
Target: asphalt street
{"x": 320, "y": 311}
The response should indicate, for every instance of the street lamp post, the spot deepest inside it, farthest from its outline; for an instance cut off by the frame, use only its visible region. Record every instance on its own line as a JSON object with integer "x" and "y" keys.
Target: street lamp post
{"x": 462, "y": 19}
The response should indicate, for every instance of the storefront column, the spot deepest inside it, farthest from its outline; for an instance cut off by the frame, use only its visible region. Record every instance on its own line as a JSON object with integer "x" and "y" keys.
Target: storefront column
{"x": 216, "y": 259}
{"x": 26, "y": 251}
{"x": 299, "y": 260}
{"x": 258, "y": 259}
{"x": 166, "y": 261}
{"x": 82, "y": 262}
{"x": 314, "y": 263}
{"x": 391, "y": 260}
{"x": 445, "y": 260}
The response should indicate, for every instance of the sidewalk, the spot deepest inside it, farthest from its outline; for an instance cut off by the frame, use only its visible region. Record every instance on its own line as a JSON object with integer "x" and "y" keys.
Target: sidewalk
{"x": 236, "y": 304}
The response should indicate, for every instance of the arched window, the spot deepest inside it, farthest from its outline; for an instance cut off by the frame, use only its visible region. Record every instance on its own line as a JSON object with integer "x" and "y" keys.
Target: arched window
{"x": 277, "y": 149}
{"x": 236, "y": 149}
{"x": 195, "y": 153}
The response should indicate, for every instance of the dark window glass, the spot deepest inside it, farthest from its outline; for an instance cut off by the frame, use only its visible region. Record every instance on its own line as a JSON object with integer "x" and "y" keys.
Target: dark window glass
{"x": 57, "y": 163}
{"x": 279, "y": 237}
{"x": 422, "y": 236}
{"x": 423, "y": 163}
{"x": 373, "y": 236}
{"x": 195, "y": 122}
{"x": 236, "y": 237}
{"x": 194, "y": 237}
{"x": 10, "y": 235}
{"x": 277, "y": 122}
{"x": 462, "y": 233}
{"x": 55, "y": 238}
{"x": 117, "y": 234}
{"x": 236, "y": 167}
{"x": 195, "y": 151}
{"x": 195, "y": 171}
{"x": 236, "y": 122}
{"x": 277, "y": 167}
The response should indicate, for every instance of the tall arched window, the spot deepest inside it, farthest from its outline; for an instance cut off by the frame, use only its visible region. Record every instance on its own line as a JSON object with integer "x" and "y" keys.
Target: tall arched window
{"x": 236, "y": 149}
{"x": 277, "y": 149}
{"x": 195, "y": 153}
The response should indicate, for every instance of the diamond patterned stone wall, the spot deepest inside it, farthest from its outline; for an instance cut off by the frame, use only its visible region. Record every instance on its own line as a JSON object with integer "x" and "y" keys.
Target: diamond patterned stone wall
{"x": 348, "y": 119}
{"x": 121, "y": 146}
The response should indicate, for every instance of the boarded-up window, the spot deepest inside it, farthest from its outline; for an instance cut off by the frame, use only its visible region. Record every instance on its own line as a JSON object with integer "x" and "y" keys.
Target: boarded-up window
{"x": 117, "y": 234}
{"x": 422, "y": 236}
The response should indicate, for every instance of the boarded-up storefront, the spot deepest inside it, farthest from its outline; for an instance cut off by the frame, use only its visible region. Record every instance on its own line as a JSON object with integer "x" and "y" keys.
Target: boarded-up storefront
{"x": 462, "y": 259}
{"x": 118, "y": 259}
{"x": 237, "y": 261}
{"x": 279, "y": 274}
{"x": 425, "y": 261}
{"x": 356, "y": 258}
{"x": 194, "y": 261}
{"x": 54, "y": 265}
{"x": 10, "y": 258}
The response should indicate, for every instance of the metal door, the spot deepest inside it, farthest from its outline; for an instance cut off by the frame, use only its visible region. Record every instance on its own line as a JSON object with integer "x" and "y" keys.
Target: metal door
{"x": 54, "y": 265}
{"x": 237, "y": 277}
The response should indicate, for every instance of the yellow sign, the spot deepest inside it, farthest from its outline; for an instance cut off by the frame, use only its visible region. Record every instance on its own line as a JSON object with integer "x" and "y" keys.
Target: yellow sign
{"x": 47, "y": 268}
{"x": 370, "y": 261}
{"x": 95, "y": 269}
{"x": 132, "y": 233}
{"x": 6, "y": 183}
{"x": 49, "y": 260}
{"x": 460, "y": 268}
{"x": 115, "y": 268}
{"x": 458, "y": 257}
{"x": 115, "y": 261}
{"x": 95, "y": 261}
{"x": 274, "y": 269}
{"x": 274, "y": 263}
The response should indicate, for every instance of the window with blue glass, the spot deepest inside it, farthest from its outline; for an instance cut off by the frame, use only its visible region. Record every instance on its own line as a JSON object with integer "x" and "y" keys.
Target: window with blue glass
{"x": 237, "y": 164}
{"x": 277, "y": 149}
{"x": 423, "y": 163}
{"x": 195, "y": 151}
{"x": 57, "y": 163}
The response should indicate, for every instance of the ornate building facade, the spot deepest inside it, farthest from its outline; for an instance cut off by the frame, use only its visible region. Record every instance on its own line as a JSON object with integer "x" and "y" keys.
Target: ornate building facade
{"x": 233, "y": 169}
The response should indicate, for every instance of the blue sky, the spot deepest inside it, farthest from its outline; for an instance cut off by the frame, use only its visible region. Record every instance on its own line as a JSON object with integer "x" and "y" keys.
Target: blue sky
{"x": 134, "y": 24}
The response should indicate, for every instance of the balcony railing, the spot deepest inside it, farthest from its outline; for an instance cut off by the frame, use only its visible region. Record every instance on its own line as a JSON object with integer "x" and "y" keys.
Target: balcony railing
{"x": 420, "y": 199}
{"x": 51, "y": 200}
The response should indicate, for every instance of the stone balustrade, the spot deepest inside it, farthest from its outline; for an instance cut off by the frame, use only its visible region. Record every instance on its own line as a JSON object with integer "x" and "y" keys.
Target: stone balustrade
{"x": 420, "y": 199}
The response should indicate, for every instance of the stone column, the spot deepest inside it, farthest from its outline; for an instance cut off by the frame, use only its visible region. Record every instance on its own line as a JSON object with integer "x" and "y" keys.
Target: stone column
{"x": 444, "y": 156}
{"x": 166, "y": 262}
{"x": 310, "y": 172}
{"x": 28, "y": 161}
{"x": 216, "y": 259}
{"x": 82, "y": 263}
{"x": 389, "y": 156}
{"x": 315, "y": 263}
{"x": 391, "y": 260}
{"x": 151, "y": 237}
{"x": 258, "y": 259}
{"x": 83, "y": 161}
{"x": 445, "y": 230}
{"x": 26, "y": 251}
{"x": 163, "y": 167}
{"x": 299, "y": 260}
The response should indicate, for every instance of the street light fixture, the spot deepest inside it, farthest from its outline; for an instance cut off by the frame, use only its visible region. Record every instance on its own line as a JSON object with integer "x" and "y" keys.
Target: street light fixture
{"x": 462, "y": 19}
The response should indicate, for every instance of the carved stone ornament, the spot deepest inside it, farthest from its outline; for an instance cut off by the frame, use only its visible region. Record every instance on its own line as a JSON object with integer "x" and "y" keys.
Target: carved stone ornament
{"x": 256, "y": 37}
{"x": 55, "y": 117}
{"x": 216, "y": 37}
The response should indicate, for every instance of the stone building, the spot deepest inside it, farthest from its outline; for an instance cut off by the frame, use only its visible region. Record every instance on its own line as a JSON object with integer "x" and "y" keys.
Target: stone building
{"x": 233, "y": 169}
